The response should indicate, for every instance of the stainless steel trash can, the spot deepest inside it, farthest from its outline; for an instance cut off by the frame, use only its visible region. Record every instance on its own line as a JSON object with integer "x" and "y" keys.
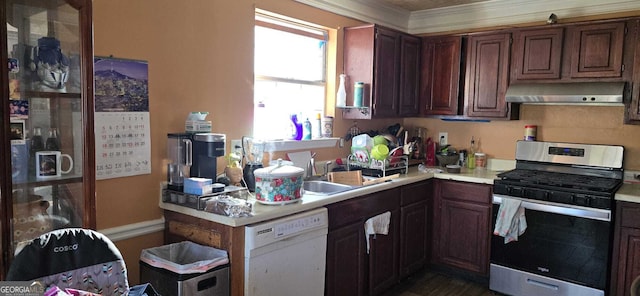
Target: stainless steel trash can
{"x": 186, "y": 269}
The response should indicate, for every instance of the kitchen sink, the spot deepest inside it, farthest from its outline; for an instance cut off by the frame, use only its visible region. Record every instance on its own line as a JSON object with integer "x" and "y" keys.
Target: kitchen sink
{"x": 324, "y": 187}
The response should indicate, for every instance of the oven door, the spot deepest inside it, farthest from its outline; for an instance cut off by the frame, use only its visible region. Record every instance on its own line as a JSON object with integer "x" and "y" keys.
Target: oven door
{"x": 562, "y": 242}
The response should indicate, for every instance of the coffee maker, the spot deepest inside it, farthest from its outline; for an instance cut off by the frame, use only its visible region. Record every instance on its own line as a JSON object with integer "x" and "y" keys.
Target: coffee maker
{"x": 180, "y": 160}
{"x": 207, "y": 147}
{"x": 193, "y": 155}
{"x": 253, "y": 150}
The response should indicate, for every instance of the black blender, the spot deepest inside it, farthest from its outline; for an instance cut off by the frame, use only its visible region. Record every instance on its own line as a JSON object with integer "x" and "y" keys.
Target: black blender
{"x": 253, "y": 151}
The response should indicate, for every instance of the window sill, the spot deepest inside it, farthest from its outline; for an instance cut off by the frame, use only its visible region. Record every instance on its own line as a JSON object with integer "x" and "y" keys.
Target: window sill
{"x": 286, "y": 145}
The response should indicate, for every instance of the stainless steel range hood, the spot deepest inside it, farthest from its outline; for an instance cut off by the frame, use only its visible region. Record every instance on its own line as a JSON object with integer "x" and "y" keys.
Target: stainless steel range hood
{"x": 583, "y": 93}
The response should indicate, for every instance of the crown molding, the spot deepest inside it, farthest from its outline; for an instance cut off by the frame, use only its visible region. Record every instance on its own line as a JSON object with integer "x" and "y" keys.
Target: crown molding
{"x": 509, "y": 12}
{"x": 470, "y": 16}
{"x": 371, "y": 11}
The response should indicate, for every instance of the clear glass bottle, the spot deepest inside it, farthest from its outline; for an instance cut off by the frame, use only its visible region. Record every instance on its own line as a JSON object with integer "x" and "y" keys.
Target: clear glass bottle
{"x": 471, "y": 157}
{"x": 341, "y": 96}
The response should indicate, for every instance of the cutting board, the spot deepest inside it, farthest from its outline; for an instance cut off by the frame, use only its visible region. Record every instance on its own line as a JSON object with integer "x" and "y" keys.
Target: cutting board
{"x": 380, "y": 180}
{"x": 354, "y": 178}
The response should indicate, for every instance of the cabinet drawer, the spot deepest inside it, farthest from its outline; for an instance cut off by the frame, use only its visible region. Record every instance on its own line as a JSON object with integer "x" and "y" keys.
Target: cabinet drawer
{"x": 629, "y": 214}
{"x": 415, "y": 193}
{"x": 362, "y": 208}
{"x": 464, "y": 191}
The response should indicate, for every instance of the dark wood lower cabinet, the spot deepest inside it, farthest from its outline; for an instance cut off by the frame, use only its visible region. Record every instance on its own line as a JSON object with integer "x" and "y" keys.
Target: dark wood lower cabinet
{"x": 462, "y": 226}
{"x": 383, "y": 257}
{"x": 415, "y": 216}
{"x": 626, "y": 248}
{"x": 346, "y": 261}
{"x": 350, "y": 270}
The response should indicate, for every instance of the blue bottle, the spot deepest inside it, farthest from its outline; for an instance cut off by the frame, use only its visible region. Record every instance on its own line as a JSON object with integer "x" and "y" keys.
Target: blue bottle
{"x": 306, "y": 129}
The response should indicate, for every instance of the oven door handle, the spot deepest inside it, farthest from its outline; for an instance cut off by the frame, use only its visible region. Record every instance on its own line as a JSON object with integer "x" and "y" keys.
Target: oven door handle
{"x": 562, "y": 209}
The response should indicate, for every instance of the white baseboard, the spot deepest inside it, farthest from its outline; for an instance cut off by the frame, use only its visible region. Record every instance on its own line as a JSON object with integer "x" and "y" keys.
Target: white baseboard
{"x": 133, "y": 230}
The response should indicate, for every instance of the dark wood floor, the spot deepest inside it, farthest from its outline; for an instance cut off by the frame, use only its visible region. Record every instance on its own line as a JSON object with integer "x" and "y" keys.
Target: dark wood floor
{"x": 436, "y": 284}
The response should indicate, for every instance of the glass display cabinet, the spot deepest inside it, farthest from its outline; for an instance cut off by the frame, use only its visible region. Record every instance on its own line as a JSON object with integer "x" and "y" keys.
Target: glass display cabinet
{"x": 47, "y": 179}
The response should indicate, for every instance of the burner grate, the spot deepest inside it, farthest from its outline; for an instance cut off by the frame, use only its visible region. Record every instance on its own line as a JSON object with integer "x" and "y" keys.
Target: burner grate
{"x": 561, "y": 180}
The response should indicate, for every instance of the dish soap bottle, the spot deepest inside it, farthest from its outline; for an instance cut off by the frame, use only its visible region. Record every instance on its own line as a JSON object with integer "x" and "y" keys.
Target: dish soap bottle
{"x": 306, "y": 129}
{"x": 341, "y": 96}
{"x": 471, "y": 155}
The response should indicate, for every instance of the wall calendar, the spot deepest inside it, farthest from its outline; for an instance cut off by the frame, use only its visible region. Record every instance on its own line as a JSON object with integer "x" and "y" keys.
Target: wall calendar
{"x": 122, "y": 129}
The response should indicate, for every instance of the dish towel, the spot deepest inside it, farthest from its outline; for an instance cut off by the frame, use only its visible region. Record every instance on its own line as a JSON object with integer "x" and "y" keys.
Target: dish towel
{"x": 510, "y": 222}
{"x": 377, "y": 225}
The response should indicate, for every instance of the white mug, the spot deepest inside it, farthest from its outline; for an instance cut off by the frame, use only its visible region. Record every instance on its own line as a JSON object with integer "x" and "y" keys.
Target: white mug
{"x": 49, "y": 164}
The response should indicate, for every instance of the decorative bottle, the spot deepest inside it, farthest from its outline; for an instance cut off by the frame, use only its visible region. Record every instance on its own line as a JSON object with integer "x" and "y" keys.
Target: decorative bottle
{"x": 471, "y": 155}
{"x": 341, "y": 96}
{"x": 295, "y": 129}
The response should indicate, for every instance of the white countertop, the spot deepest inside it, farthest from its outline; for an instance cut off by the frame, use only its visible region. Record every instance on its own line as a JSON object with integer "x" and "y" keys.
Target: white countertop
{"x": 267, "y": 212}
{"x": 629, "y": 192}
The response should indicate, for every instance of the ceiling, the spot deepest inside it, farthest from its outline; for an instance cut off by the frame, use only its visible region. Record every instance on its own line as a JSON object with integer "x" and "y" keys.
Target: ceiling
{"x": 416, "y": 5}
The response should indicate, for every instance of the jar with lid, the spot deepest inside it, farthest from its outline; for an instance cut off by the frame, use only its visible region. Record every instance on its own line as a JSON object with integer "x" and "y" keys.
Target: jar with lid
{"x": 481, "y": 160}
{"x": 530, "y": 132}
{"x": 358, "y": 94}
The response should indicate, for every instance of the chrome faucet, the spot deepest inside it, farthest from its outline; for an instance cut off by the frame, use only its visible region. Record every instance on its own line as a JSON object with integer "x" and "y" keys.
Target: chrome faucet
{"x": 311, "y": 168}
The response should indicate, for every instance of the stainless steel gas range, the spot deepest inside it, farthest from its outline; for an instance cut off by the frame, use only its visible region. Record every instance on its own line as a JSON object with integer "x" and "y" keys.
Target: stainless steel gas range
{"x": 567, "y": 192}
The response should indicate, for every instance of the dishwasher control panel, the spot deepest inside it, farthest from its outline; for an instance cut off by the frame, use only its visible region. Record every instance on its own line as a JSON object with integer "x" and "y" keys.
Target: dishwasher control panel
{"x": 298, "y": 225}
{"x": 265, "y": 233}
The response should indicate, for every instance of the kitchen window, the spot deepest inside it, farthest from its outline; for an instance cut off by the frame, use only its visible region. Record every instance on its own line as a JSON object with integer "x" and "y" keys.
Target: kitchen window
{"x": 289, "y": 74}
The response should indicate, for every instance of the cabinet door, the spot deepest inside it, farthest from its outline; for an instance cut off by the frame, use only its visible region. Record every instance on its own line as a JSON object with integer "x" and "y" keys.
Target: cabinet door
{"x": 537, "y": 54}
{"x": 346, "y": 261}
{"x": 409, "y": 76}
{"x": 383, "y": 257}
{"x": 413, "y": 237}
{"x": 440, "y": 75}
{"x": 464, "y": 232}
{"x": 629, "y": 260}
{"x": 385, "y": 73}
{"x": 597, "y": 50}
{"x": 51, "y": 181}
{"x": 487, "y": 75}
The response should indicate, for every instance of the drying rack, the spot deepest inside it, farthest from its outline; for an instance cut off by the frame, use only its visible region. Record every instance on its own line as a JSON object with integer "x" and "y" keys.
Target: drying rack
{"x": 380, "y": 168}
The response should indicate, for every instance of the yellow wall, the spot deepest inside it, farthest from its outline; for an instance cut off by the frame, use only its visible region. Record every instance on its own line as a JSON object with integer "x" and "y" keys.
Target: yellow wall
{"x": 200, "y": 55}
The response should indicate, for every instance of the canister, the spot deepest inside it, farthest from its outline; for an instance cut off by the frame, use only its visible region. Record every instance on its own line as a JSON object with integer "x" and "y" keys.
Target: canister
{"x": 327, "y": 127}
{"x": 279, "y": 184}
{"x": 530, "y": 132}
{"x": 358, "y": 93}
{"x": 481, "y": 160}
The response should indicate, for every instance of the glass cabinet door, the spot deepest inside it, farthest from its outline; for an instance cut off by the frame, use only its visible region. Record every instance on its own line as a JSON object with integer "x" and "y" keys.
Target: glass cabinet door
{"x": 50, "y": 110}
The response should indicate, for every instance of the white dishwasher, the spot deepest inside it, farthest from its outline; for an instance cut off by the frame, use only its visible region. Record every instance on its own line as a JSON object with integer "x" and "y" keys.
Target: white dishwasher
{"x": 286, "y": 256}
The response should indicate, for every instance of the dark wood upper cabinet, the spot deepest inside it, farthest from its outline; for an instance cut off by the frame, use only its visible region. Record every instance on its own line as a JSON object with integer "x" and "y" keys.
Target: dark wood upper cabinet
{"x": 537, "y": 54}
{"x": 388, "y": 62}
{"x": 408, "y": 97}
{"x": 597, "y": 50}
{"x": 385, "y": 73}
{"x": 440, "y": 75}
{"x": 487, "y": 75}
